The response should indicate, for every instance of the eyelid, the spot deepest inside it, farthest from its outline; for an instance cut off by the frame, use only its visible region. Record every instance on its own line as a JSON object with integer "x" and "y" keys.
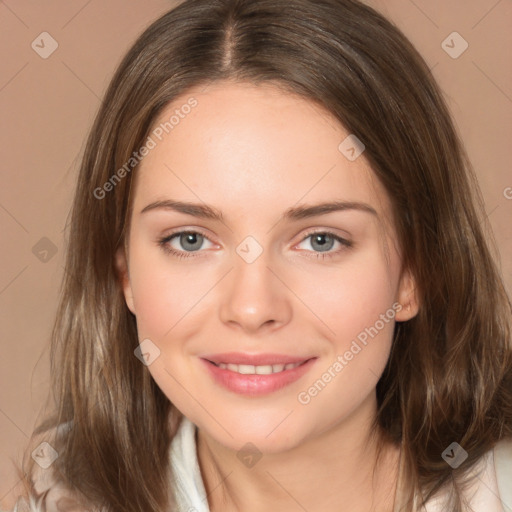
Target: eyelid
{"x": 309, "y": 232}
{"x": 182, "y": 230}
{"x": 327, "y": 231}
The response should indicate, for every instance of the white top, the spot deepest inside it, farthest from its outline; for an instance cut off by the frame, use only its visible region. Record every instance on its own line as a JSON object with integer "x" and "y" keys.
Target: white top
{"x": 491, "y": 492}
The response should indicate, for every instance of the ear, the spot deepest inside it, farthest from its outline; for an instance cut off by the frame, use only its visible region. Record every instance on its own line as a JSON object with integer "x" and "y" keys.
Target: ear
{"x": 121, "y": 264}
{"x": 407, "y": 297}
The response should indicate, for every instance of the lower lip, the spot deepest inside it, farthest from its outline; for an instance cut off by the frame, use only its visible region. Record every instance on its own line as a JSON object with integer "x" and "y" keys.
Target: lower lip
{"x": 255, "y": 385}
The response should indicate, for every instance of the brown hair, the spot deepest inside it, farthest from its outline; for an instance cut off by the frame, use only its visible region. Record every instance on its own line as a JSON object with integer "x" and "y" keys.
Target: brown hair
{"x": 449, "y": 375}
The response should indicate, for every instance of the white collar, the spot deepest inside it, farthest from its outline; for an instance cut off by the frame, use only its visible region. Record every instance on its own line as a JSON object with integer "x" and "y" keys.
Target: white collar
{"x": 188, "y": 483}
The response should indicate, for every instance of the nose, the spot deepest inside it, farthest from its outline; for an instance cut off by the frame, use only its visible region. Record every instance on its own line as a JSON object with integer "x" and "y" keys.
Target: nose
{"x": 254, "y": 297}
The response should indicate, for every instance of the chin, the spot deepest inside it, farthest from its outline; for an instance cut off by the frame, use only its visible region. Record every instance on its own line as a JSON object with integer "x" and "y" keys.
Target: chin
{"x": 272, "y": 435}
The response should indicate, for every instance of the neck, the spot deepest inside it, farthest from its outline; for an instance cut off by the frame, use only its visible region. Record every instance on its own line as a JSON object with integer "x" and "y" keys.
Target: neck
{"x": 336, "y": 469}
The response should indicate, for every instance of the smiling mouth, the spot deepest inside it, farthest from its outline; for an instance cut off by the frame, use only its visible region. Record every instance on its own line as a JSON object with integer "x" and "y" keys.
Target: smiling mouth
{"x": 256, "y": 380}
{"x": 249, "y": 369}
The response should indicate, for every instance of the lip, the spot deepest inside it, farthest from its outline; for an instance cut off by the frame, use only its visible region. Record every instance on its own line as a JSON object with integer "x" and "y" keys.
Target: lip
{"x": 256, "y": 385}
{"x": 254, "y": 359}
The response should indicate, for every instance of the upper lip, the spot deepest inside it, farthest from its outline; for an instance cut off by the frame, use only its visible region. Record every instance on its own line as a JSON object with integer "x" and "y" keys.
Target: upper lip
{"x": 254, "y": 359}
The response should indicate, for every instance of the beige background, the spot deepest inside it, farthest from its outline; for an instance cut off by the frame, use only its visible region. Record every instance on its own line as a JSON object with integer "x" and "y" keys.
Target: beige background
{"x": 48, "y": 105}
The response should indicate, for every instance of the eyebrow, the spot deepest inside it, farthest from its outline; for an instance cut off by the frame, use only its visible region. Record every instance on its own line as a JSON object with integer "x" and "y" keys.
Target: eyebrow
{"x": 294, "y": 213}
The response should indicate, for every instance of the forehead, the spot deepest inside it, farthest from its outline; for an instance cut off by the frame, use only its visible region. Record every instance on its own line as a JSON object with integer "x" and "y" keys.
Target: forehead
{"x": 243, "y": 146}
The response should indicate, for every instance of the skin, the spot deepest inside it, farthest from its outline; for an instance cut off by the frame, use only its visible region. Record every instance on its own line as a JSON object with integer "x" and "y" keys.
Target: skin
{"x": 253, "y": 152}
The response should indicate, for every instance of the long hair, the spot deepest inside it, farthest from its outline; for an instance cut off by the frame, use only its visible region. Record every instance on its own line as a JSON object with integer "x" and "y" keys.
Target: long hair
{"x": 449, "y": 375}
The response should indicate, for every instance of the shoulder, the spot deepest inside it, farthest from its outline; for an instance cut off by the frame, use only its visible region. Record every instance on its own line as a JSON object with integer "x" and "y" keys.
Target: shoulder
{"x": 49, "y": 495}
{"x": 45, "y": 491}
{"x": 489, "y": 489}
{"x": 503, "y": 470}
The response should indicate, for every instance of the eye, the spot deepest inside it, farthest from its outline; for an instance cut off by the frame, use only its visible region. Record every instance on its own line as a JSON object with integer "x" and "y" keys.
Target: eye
{"x": 323, "y": 241}
{"x": 191, "y": 241}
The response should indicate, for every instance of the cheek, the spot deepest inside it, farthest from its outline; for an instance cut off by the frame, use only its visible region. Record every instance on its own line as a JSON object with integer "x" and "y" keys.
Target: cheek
{"x": 350, "y": 297}
{"x": 165, "y": 293}
{"x": 355, "y": 303}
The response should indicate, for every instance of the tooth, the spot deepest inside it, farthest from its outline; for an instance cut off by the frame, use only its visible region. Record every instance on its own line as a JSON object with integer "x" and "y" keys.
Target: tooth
{"x": 246, "y": 369}
{"x": 249, "y": 369}
{"x": 264, "y": 370}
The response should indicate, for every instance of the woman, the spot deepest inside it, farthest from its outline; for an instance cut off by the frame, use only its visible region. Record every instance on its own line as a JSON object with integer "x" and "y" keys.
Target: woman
{"x": 258, "y": 369}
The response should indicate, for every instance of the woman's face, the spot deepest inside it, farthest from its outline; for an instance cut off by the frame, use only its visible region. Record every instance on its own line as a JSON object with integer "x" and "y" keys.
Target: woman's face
{"x": 266, "y": 276}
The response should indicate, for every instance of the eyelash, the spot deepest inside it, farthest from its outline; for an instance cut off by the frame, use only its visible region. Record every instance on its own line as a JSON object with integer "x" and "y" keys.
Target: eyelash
{"x": 164, "y": 244}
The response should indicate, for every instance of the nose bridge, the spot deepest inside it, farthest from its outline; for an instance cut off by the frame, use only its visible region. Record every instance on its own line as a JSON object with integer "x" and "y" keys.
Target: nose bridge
{"x": 255, "y": 297}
